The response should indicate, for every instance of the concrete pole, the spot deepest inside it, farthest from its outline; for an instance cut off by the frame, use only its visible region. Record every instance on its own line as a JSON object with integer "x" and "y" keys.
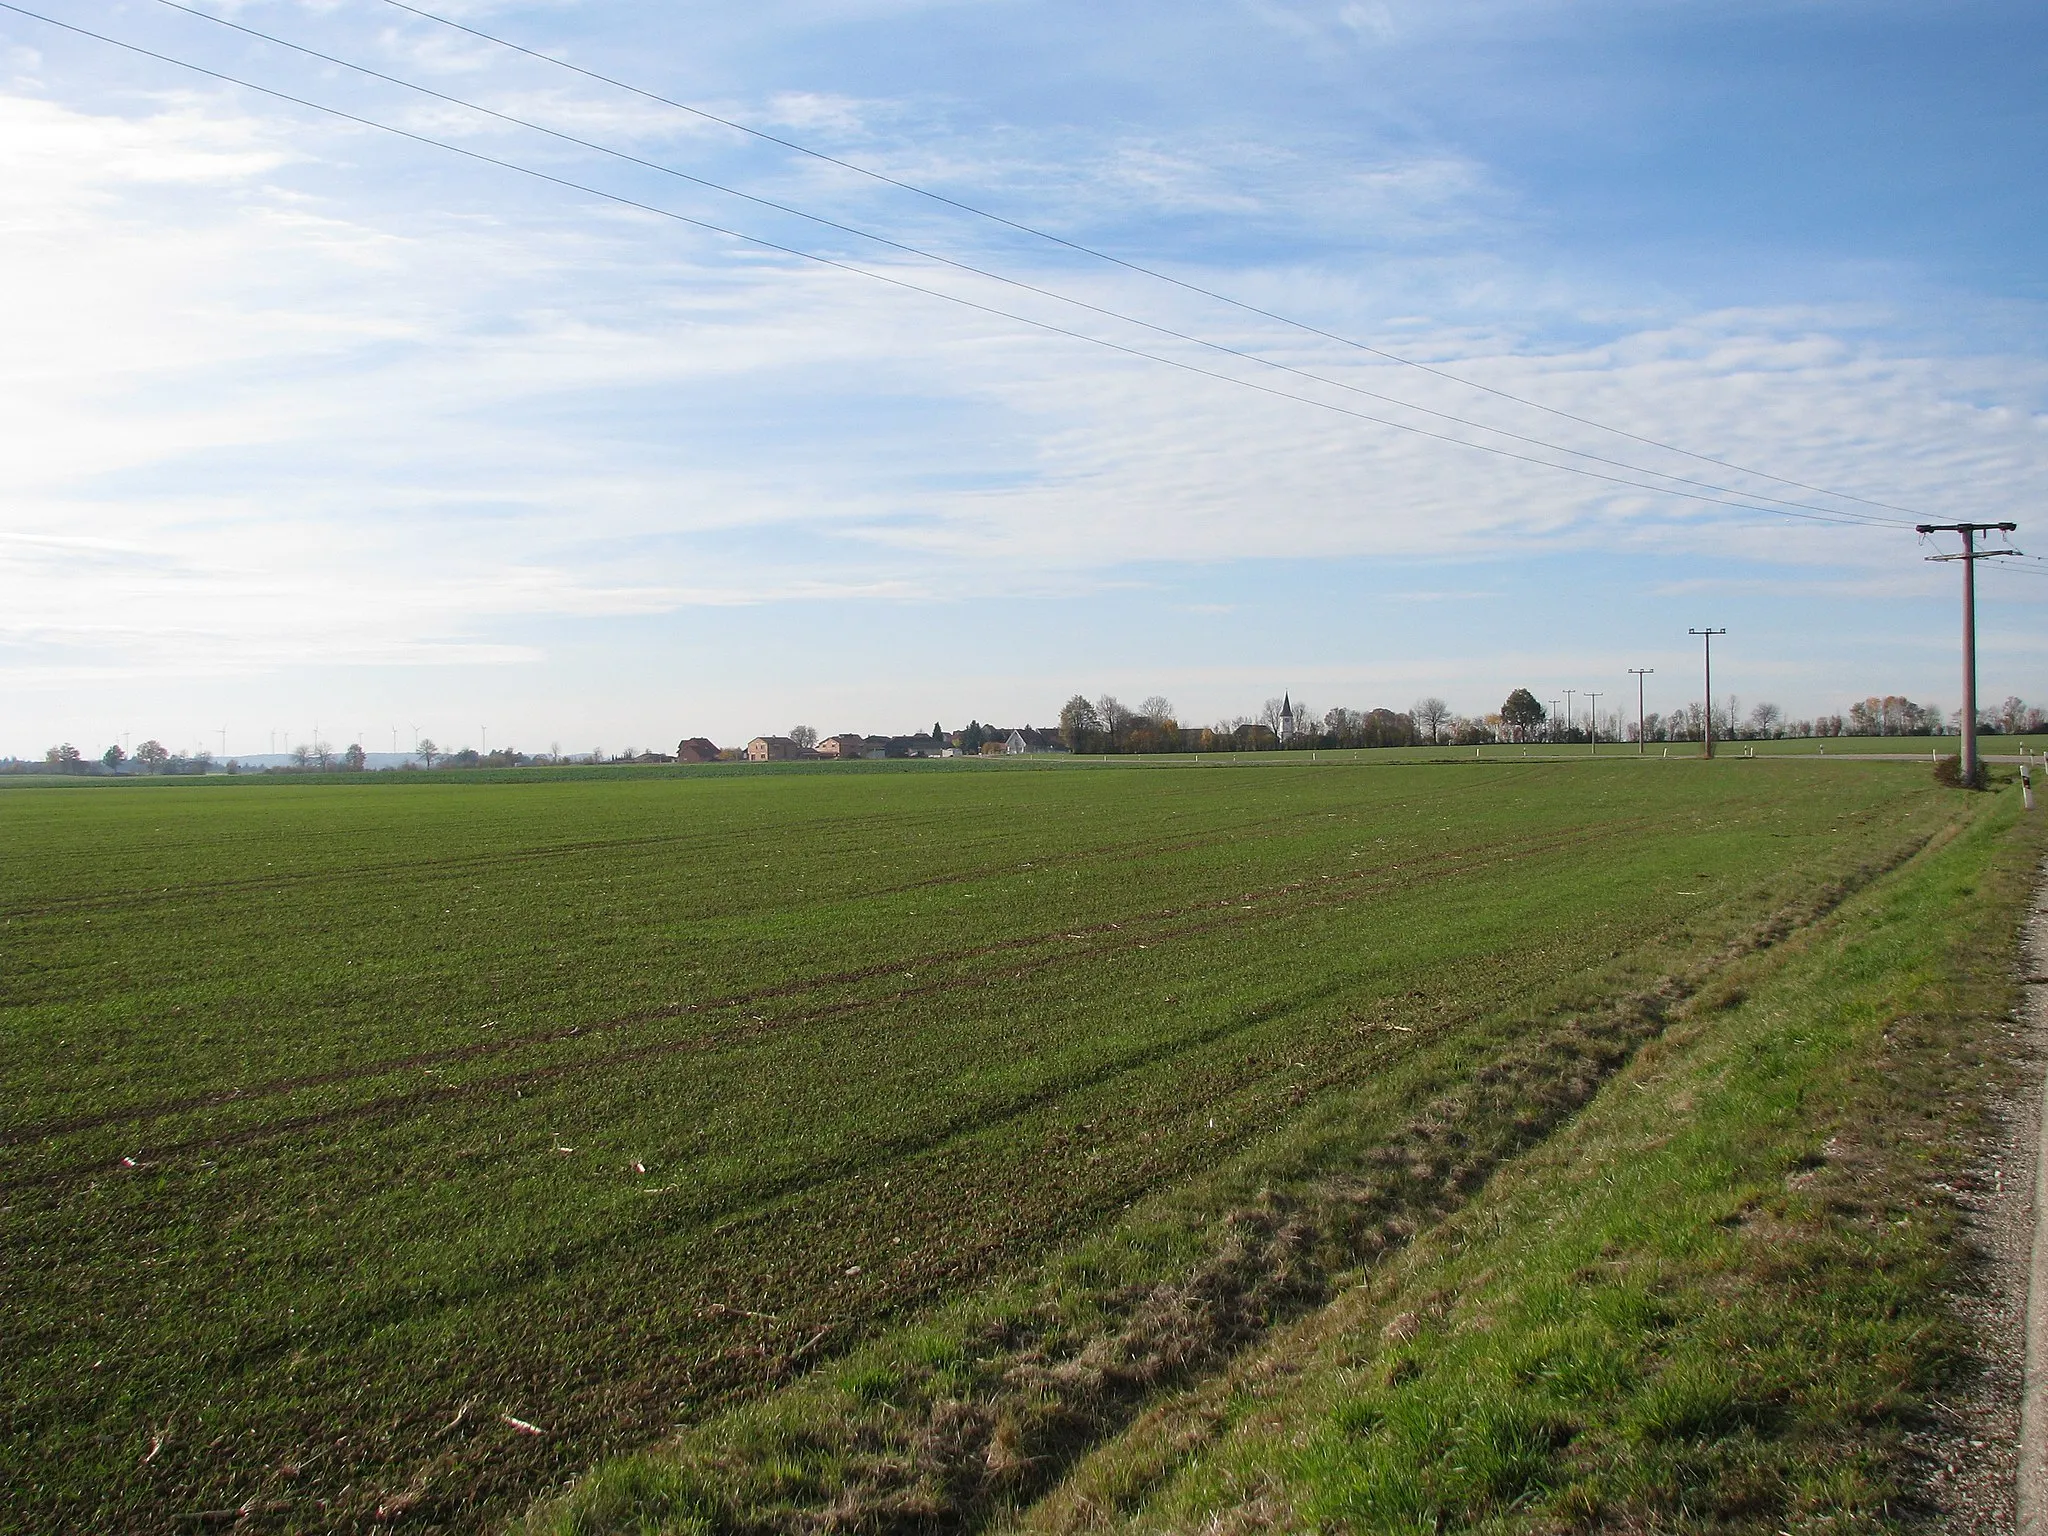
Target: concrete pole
{"x": 1969, "y": 656}
{"x": 1707, "y": 725}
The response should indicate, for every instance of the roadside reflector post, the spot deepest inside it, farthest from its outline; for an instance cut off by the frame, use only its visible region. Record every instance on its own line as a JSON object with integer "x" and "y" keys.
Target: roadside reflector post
{"x": 2026, "y": 787}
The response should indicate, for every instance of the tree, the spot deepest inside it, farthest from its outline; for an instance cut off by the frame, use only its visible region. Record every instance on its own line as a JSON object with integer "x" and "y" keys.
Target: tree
{"x": 355, "y": 759}
{"x": 152, "y": 755}
{"x": 64, "y": 759}
{"x": 1766, "y": 721}
{"x": 1521, "y": 714}
{"x": 804, "y": 736}
{"x": 1079, "y": 724}
{"x": 2012, "y": 715}
{"x": 1114, "y": 719}
{"x": 937, "y": 734}
{"x": 114, "y": 757}
{"x": 1157, "y": 710}
{"x": 427, "y": 751}
{"x": 1430, "y": 715}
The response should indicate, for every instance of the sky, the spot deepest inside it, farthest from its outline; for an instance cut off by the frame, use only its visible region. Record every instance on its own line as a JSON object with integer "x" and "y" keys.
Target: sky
{"x": 314, "y": 427}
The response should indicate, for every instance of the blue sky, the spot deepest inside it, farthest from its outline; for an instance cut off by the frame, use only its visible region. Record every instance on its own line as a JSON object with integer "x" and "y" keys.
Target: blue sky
{"x": 317, "y": 426}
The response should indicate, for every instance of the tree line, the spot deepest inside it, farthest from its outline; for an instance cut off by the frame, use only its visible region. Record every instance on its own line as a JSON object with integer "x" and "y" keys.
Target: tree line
{"x": 1106, "y": 725}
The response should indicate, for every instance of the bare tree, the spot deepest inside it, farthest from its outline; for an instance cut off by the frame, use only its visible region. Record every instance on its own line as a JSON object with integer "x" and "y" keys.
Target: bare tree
{"x": 1430, "y": 715}
{"x": 1766, "y": 721}
{"x": 1158, "y": 710}
{"x": 804, "y": 736}
{"x": 1079, "y": 723}
{"x": 1115, "y": 716}
{"x": 427, "y": 751}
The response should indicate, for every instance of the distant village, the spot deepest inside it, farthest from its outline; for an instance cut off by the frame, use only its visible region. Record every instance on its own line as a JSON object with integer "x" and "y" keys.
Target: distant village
{"x": 974, "y": 740}
{"x": 1106, "y": 726}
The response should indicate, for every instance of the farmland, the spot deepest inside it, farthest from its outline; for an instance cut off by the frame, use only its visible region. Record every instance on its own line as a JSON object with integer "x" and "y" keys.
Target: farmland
{"x": 407, "y": 1146}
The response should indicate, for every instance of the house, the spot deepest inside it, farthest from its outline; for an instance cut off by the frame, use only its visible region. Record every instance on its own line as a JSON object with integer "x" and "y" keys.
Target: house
{"x": 772, "y": 749}
{"x": 1030, "y": 743}
{"x": 695, "y": 749}
{"x": 845, "y": 747}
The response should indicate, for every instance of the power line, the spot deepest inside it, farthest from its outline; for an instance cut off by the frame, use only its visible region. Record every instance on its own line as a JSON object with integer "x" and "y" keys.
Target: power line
{"x": 1033, "y": 288}
{"x": 1844, "y": 518}
{"x": 1128, "y": 265}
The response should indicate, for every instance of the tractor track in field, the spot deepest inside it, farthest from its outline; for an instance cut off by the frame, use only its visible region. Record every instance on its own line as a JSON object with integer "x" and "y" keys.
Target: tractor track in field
{"x": 1143, "y": 928}
{"x": 763, "y": 1201}
{"x": 474, "y": 863}
{"x": 453, "y": 864}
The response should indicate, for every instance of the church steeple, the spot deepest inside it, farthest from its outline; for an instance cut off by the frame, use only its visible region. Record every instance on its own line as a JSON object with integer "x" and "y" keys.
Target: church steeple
{"x": 1286, "y": 716}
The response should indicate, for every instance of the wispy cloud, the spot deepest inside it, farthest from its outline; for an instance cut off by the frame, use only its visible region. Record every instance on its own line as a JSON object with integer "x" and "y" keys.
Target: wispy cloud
{"x": 285, "y": 381}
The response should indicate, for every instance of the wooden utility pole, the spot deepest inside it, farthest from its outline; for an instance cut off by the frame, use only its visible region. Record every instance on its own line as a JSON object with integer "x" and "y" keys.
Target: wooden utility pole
{"x": 1593, "y": 736}
{"x": 1970, "y": 556}
{"x": 1642, "y": 742}
{"x": 1707, "y": 721}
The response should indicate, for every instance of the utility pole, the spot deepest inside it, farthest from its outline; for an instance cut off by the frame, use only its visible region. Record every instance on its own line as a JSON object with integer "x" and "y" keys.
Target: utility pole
{"x": 1707, "y": 722}
{"x": 1568, "y": 712}
{"x": 1552, "y": 731}
{"x": 1593, "y": 741}
{"x": 1642, "y": 742}
{"x": 1970, "y": 556}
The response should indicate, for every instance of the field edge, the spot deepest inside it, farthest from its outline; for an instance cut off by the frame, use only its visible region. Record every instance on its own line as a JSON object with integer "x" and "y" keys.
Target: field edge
{"x": 1728, "y": 1297}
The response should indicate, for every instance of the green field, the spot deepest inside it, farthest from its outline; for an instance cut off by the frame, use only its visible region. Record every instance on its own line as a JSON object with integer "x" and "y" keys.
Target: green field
{"x": 348, "y": 1123}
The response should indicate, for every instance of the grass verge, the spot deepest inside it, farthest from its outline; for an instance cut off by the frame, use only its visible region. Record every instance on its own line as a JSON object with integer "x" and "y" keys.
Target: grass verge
{"x": 1718, "y": 1301}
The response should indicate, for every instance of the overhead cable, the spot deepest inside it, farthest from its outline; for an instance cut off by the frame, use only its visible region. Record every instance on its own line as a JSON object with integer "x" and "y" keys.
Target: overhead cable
{"x": 1132, "y": 266}
{"x": 760, "y": 242}
{"x": 1027, "y": 287}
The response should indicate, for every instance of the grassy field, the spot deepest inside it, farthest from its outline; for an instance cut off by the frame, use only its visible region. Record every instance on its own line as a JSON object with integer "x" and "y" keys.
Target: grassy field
{"x": 397, "y": 1149}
